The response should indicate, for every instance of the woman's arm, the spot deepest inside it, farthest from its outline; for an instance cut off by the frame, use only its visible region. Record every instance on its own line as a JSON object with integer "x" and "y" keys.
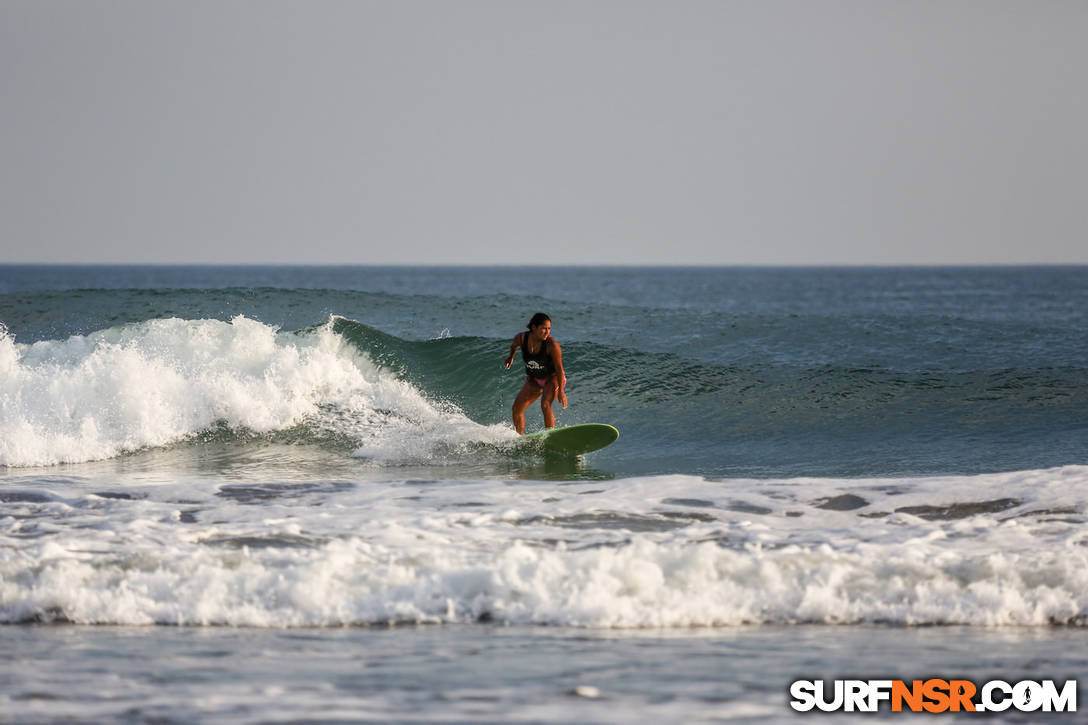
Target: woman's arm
{"x": 513, "y": 349}
{"x": 560, "y": 376}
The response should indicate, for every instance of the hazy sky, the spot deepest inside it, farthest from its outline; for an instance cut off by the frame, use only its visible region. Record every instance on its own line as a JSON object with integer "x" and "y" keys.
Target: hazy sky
{"x": 505, "y": 132}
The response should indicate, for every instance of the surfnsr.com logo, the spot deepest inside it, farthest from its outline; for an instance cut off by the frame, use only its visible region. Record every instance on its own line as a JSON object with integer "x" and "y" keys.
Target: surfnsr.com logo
{"x": 933, "y": 695}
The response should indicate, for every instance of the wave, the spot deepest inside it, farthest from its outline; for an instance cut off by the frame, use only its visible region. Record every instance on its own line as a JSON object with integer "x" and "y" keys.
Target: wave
{"x": 345, "y": 383}
{"x": 644, "y": 584}
{"x": 161, "y": 382}
{"x": 674, "y": 402}
{"x": 671, "y": 551}
{"x": 462, "y": 364}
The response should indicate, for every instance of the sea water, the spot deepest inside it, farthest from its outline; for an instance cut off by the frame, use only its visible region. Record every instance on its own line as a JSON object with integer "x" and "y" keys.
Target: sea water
{"x": 294, "y": 494}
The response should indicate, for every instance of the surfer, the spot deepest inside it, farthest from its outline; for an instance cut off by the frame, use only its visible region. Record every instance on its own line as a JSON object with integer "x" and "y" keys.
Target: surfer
{"x": 543, "y": 370}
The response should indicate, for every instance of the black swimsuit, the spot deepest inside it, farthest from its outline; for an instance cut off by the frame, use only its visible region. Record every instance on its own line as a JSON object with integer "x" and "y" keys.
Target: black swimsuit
{"x": 538, "y": 365}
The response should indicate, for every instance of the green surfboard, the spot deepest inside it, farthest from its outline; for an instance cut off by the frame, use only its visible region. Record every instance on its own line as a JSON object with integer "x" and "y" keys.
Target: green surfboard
{"x": 574, "y": 440}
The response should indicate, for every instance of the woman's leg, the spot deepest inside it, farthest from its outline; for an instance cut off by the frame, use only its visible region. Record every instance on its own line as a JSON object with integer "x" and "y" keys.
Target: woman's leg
{"x": 550, "y": 390}
{"x": 529, "y": 392}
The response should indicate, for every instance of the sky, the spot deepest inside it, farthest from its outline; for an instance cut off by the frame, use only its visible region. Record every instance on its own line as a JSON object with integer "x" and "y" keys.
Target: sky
{"x": 502, "y": 132}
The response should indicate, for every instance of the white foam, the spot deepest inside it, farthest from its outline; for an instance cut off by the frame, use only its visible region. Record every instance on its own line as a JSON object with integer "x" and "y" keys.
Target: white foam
{"x": 159, "y": 382}
{"x": 643, "y": 584}
{"x": 566, "y": 554}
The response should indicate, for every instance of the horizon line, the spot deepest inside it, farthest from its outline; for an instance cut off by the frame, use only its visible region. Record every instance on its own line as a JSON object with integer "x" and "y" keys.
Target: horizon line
{"x": 590, "y": 265}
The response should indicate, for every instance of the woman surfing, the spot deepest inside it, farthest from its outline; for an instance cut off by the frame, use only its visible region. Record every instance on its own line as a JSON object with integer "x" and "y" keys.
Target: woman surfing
{"x": 543, "y": 371}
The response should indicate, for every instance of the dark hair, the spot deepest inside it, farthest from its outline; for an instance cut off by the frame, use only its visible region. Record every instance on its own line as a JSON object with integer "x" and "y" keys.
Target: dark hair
{"x": 538, "y": 319}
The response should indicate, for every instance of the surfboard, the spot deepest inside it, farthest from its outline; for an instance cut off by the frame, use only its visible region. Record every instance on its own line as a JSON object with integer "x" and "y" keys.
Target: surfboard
{"x": 574, "y": 440}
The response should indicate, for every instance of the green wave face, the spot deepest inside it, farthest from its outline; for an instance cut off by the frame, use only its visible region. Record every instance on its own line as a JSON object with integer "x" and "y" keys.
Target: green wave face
{"x": 695, "y": 414}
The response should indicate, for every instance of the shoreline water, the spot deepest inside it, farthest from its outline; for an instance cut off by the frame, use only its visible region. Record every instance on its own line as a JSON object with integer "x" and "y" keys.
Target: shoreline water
{"x": 490, "y": 673}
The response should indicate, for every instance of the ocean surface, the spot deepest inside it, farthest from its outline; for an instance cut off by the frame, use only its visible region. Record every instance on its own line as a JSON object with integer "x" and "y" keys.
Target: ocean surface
{"x": 294, "y": 494}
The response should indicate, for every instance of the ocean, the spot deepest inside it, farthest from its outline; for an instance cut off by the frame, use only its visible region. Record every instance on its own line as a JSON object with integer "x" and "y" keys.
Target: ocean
{"x": 294, "y": 494}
